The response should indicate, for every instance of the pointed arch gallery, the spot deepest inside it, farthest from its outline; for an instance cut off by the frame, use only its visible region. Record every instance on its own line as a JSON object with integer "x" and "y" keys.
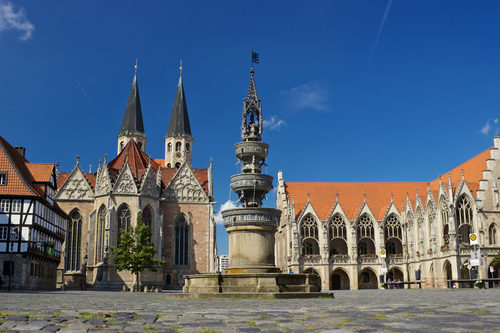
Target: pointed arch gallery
{"x": 309, "y": 236}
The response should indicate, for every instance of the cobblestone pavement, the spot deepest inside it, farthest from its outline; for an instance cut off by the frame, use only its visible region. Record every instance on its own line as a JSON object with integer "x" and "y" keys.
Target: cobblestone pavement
{"x": 450, "y": 310}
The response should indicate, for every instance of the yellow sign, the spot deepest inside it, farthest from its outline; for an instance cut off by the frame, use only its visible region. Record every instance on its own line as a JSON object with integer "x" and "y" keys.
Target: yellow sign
{"x": 473, "y": 237}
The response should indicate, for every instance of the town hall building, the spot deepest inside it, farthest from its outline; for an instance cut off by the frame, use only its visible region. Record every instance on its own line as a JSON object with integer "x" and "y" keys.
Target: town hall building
{"x": 176, "y": 201}
{"x": 352, "y": 233}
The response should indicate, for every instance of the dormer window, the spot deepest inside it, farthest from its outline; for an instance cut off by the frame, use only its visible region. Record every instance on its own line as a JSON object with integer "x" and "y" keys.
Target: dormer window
{"x": 3, "y": 178}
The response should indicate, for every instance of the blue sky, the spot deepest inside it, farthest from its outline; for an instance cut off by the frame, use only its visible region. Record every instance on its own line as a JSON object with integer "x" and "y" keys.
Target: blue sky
{"x": 351, "y": 90}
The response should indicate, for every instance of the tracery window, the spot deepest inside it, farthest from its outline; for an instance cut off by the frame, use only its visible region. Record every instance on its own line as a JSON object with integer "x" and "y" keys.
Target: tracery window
{"x": 444, "y": 222}
{"x": 364, "y": 229}
{"x": 338, "y": 239}
{"x": 147, "y": 218}
{"x": 364, "y": 234}
{"x": 181, "y": 241}
{"x": 464, "y": 219}
{"x": 393, "y": 234}
{"x": 101, "y": 223}
{"x": 73, "y": 241}
{"x": 492, "y": 233}
{"x": 309, "y": 235}
{"x": 123, "y": 218}
{"x": 392, "y": 228}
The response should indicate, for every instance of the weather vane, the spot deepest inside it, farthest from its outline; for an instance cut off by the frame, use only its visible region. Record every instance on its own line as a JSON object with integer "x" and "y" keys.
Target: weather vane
{"x": 135, "y": 67}
{"x": 180, "y": 67}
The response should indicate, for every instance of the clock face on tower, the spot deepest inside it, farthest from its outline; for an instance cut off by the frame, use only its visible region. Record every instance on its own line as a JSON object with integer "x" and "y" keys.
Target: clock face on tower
{"x": 178, "y": 154}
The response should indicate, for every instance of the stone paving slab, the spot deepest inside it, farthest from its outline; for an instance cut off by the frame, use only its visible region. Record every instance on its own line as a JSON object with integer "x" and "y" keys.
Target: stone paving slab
{"x": 448, "y": 310}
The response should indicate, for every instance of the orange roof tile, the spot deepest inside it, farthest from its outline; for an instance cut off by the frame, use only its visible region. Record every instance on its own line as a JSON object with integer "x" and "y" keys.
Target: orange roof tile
{"x": 41, "y": 172}
{"x": 139, "y": 162}
{"x": 378, "y": 195}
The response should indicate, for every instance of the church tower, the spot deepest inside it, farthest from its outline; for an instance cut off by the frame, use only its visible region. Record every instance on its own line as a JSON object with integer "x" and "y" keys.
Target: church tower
{"x": 179, "y": 141}
{"x": 132, "y": 125}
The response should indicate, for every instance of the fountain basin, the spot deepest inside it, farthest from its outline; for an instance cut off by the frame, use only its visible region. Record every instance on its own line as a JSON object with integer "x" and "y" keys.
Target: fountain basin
{"x": 247, "y": 149}
{"x": 251, "y": 216}
{"x": 262, "y": 184}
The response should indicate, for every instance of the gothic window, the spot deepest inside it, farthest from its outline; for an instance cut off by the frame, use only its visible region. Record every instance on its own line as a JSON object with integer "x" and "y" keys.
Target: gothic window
{"x": 101, "y": 223}
{"x": 464, "y": 219}
{"x": 309, "y": 235}
{"x": 169, "y": 147}
{"x": 178, "y": 146}
{"x": 73, "y": 241}
{"x": 393, "y": 234}
{"x": 492, "y": 233}
{"x": 444, "y": 222}
{"x": 181, "y": 241}
{"x": 364, "y": 234}
{"x": 123, "y": 218}
{"x": 147, "y": 218}
{"x": 187, "y": 147}
{"x": 338, "y": 240}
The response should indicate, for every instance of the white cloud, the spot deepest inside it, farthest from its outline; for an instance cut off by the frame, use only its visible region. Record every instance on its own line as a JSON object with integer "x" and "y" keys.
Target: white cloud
{"x": 274, "y": 123}
{"x": 486, "y": 128}
{"x": 308, "y": 96}
{"x": 227, "y": 205}
{"x": 12, "y": 20}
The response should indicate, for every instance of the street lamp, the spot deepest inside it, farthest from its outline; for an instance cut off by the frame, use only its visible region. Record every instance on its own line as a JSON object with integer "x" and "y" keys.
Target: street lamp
{"x": 13, "y": 238}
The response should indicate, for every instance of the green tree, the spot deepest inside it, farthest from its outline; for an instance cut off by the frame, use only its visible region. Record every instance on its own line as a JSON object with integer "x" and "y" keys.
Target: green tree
{"x": 496, "y": 261}
{"x": 135, "y": 252}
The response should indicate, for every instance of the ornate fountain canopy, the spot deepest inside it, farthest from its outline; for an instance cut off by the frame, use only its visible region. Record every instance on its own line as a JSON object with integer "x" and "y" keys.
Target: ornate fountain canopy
{"x": 251, "y": 123}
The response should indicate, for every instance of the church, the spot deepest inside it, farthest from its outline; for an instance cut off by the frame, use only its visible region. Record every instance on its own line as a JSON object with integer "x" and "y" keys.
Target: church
{"x": 354, "y": 234}
{"x": 176, "y": 201}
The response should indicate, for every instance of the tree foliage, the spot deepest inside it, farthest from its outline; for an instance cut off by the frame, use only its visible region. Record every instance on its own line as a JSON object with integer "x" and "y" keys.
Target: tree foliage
{"x": 134, "y": 251}
{"x": 496, "y": 261}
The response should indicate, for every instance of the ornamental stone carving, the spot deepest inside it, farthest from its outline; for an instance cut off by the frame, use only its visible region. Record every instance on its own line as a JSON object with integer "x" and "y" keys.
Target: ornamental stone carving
{"x": 125, "y": 184}
{"x": 185, "y": 188}
{"x": 76, "y": 187}
{"x": 103, "y": 181}
{"x": 149, "y": 186}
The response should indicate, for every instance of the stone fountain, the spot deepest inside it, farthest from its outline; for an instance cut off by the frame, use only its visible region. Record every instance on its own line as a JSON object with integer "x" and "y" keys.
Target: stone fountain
{"x": 251, "y": 227}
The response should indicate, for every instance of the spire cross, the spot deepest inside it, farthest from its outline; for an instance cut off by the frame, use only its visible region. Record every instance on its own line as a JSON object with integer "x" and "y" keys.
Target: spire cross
{"x": 180, "y": 68}
{"x": 135, "y": 67}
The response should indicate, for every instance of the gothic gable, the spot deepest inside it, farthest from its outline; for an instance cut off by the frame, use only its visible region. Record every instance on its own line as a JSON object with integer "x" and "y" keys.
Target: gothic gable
{"x": 76, "y": 187}
{"x": 103, "y": 185}
{"x": 185, "y": 188}
{"x": 125, "y": 183}
{"x": 148, "y": 186}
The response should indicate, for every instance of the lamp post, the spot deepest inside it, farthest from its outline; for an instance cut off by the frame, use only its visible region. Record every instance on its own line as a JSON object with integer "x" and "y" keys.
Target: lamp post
{"x": 13, "y": 237}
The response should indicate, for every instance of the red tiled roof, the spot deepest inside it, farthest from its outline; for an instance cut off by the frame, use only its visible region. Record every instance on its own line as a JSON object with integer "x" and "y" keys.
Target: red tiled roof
{"x": 41, "y": 172}
{"x": 378, "y": 195}
{"x": 139, "y": 162}
{"x": 19, "y": 179}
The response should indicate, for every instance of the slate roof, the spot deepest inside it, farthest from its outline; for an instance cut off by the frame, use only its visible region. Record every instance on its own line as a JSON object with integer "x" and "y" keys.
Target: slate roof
{"x": 322, "y": 196}
{"x": 132, "y": 123}
{"x": 179, "y": 119}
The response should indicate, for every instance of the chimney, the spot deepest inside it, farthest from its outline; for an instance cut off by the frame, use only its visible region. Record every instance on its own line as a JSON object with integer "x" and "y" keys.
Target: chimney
{"x": 21, "y": 151}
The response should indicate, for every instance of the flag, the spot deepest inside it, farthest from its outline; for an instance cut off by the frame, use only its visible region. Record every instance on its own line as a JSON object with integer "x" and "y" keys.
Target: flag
{"x": 255, "y": 57}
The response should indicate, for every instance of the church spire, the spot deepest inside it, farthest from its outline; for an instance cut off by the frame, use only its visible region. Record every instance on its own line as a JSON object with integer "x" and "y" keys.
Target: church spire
{"x": 179, "y": 119}
{"x": 179, "y": 141}
{"x": 132, "y": 124}
{"x": 251, "y": 122}
{"x": 132, "y": 120}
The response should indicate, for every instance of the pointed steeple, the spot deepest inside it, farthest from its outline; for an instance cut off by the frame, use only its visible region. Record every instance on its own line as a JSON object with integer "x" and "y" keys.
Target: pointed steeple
{"x": 179, "y": 119}
{"x": 251, "y": 122}
{"x": 132, "y": 124}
